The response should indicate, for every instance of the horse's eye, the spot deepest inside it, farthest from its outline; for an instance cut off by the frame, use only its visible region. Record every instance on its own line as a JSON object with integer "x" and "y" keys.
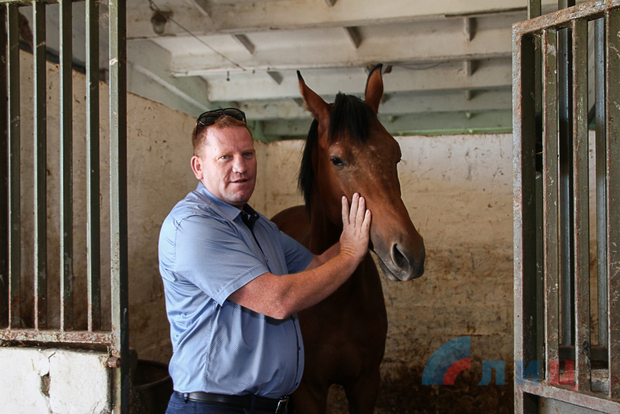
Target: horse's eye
{"x": 338, "y": 162}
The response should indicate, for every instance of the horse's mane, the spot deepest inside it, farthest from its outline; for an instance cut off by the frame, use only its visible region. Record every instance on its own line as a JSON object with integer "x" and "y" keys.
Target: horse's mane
{"x": 348, "y": 115}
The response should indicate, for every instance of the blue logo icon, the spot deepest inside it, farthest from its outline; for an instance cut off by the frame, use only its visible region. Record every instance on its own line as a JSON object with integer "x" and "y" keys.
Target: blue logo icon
{"x": 447, "y": 362}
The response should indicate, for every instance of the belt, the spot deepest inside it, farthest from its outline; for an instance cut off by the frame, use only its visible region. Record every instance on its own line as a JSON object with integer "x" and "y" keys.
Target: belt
{"x": 275, "y": 405}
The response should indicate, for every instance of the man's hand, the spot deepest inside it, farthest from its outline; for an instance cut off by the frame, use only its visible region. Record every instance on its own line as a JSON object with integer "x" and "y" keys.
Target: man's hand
{"x": 282, "y": 295}
{"x": 356, "y": 227}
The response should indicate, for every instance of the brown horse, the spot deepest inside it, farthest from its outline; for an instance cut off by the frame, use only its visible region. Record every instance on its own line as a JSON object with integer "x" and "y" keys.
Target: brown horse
{"x": 348, "y": 151}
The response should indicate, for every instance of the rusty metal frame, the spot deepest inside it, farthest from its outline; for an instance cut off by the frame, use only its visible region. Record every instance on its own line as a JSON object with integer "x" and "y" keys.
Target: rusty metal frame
{"x": 551, "y": 206}
{"x": 12, "y": 327}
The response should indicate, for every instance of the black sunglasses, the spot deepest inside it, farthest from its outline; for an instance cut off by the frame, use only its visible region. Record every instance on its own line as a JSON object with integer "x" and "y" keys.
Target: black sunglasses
{"x": 208, "y": 118}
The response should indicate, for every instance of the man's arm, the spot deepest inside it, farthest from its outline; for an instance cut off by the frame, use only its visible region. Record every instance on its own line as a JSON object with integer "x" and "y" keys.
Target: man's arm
{"x": 323, "y": 258}
{"x": 281, "y": 296}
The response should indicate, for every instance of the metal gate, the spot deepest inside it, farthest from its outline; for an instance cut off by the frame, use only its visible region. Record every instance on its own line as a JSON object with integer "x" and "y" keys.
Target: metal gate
{"x": 19, "y": 286}
{"x": 564, "y": 360}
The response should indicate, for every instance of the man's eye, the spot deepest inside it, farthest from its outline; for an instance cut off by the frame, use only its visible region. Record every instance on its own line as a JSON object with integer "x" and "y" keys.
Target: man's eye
{"x": 338, "y": 162}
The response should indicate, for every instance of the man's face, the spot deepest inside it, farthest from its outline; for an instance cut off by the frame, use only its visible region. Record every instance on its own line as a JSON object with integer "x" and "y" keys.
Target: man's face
{"x": 226, "y": 165}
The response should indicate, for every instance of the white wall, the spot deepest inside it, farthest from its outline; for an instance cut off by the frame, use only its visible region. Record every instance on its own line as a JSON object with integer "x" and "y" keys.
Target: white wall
{"x": 37, "y": 381}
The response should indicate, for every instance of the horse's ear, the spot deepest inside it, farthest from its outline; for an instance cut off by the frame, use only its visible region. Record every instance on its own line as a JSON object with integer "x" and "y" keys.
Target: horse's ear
{"x": 315, "y": 104}
{"x": 374, "y": 88}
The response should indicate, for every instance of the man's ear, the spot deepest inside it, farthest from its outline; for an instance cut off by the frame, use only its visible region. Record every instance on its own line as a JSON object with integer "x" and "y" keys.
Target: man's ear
{"x": 196, "y": 164}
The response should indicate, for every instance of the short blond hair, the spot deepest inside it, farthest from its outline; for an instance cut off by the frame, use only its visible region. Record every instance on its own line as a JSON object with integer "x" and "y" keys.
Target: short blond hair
{"x": 199, "y": 135}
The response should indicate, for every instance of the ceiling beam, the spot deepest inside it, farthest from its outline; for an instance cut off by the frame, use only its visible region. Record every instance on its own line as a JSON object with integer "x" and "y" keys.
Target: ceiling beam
{"x": 248, "y": 16}
{"x": 150, "y": 61}
{"x": 245, "y": 42}
{"x": 240, "y": 87}
{"x": 354, "y": 36}
{"x": 203, "y": 6}
{"x": 276, "y": 76}
{"x": 423, "y": 43}
{"x": 445, "y": 122}
{"x": 469, "y": 28}
{"x": 398, "y": 105}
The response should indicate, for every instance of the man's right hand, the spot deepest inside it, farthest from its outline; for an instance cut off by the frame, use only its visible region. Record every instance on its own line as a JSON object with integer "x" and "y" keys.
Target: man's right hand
{"x": 356, "y": 227}
{"x": 281, "y": 296}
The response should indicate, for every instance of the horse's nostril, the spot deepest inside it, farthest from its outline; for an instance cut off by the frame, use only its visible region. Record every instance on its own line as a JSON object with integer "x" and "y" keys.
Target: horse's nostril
{"x": 399, "y": 258}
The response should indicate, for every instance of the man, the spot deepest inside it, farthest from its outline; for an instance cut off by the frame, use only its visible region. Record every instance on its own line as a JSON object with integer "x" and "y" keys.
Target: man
{"x": 233, "y": 282}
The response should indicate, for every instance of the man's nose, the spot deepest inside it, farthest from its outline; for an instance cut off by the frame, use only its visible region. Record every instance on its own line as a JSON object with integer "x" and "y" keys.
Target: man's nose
{"x": 239, "y": 165}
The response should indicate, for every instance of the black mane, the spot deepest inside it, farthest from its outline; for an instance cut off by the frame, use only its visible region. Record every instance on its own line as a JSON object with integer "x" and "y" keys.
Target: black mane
{"x": 349, "y": 115}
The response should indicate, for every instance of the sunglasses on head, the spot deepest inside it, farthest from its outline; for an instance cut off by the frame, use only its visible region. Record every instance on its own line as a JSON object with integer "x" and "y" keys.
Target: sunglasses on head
{"x": 208, "y": 118}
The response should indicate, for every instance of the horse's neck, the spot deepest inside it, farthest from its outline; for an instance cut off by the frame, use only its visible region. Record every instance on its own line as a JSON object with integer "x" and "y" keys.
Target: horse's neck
{"x": 323, "y": 233}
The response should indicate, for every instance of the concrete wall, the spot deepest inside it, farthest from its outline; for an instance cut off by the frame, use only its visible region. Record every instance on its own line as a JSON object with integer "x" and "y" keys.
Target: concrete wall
{"x": 37, "y": 381}
{"x": 458, "y": 190}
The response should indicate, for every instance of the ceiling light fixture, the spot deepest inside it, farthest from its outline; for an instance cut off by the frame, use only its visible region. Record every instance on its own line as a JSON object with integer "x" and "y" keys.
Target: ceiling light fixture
{"x": 159, "y": 20}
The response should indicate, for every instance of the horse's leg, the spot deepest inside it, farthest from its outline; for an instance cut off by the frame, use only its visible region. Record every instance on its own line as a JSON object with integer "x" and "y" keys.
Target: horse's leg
{"x": 310, "y": 399}
{"x": 363, "y": 393}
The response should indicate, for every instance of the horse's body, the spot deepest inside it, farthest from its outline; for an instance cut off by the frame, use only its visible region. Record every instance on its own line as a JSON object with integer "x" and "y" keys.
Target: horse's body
{"x": 349, "y": 151}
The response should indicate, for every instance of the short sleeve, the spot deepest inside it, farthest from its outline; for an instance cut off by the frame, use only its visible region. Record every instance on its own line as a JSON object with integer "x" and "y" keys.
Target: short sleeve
{"x": 296, "y": 255}
{"x": 211, "y": 254}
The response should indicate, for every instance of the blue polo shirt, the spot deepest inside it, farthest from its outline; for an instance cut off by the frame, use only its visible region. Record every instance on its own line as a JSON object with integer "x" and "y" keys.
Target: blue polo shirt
{"x": 206, "y": 253}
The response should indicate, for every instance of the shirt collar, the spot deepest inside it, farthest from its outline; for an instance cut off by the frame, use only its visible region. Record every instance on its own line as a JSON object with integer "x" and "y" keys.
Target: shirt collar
{"x": 229, "y": 211}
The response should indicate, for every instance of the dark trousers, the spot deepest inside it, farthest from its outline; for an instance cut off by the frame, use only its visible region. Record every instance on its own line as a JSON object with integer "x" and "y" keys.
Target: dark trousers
{"x": 178, "y": 405}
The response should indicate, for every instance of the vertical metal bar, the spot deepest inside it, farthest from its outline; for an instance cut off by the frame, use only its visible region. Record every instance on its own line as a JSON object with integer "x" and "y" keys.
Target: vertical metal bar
{"x": 92, "y": 165}
{"x": 550, "y": 198}
{"x": 564, "y": 4}
{"x": 66, "y": 165}
{"x": 40, "y": 176}
{"x": 524, "y": 167}
{"x": 118, "y": 200}
{"x": 613, "y": 197}
{"x": 566, "y": 196}
{"x": 601, "y": 182}
{"x": 581, "y": 216}
{"x": 4, "y": 174}
{"x": 14, "y": 169}
{"x": 533, "y": 9}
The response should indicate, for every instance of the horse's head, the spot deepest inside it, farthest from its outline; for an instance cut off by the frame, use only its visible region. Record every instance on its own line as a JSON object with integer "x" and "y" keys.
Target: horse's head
{"x": 348, "y": 151}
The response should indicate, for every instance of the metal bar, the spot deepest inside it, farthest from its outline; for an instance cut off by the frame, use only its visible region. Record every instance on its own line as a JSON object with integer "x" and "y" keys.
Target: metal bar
{"x": 613, "y": 197}
{"x": 586, "y": 400}
{"x": 563, "y": 17}
{"x": 524, "y": 173}
{"x": 581, "y": 216}
{"x": 33, "y": 335}
{"x": 118, "y": 200}
{"x": 40, "y": 175}
{"x": 27, "y": 2}
{"x": 4, "y": 175}
{"x": 550, "y": 199}
{"x": 92, "y": 165}
{"x": 66, "y": 165}
{"x": 601, "y": 182}
{"x": 14, "y": 169}
{"x": 565, "y": 4}
{"x": 533, "y": 9}
{"x": 566, "y": 196}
